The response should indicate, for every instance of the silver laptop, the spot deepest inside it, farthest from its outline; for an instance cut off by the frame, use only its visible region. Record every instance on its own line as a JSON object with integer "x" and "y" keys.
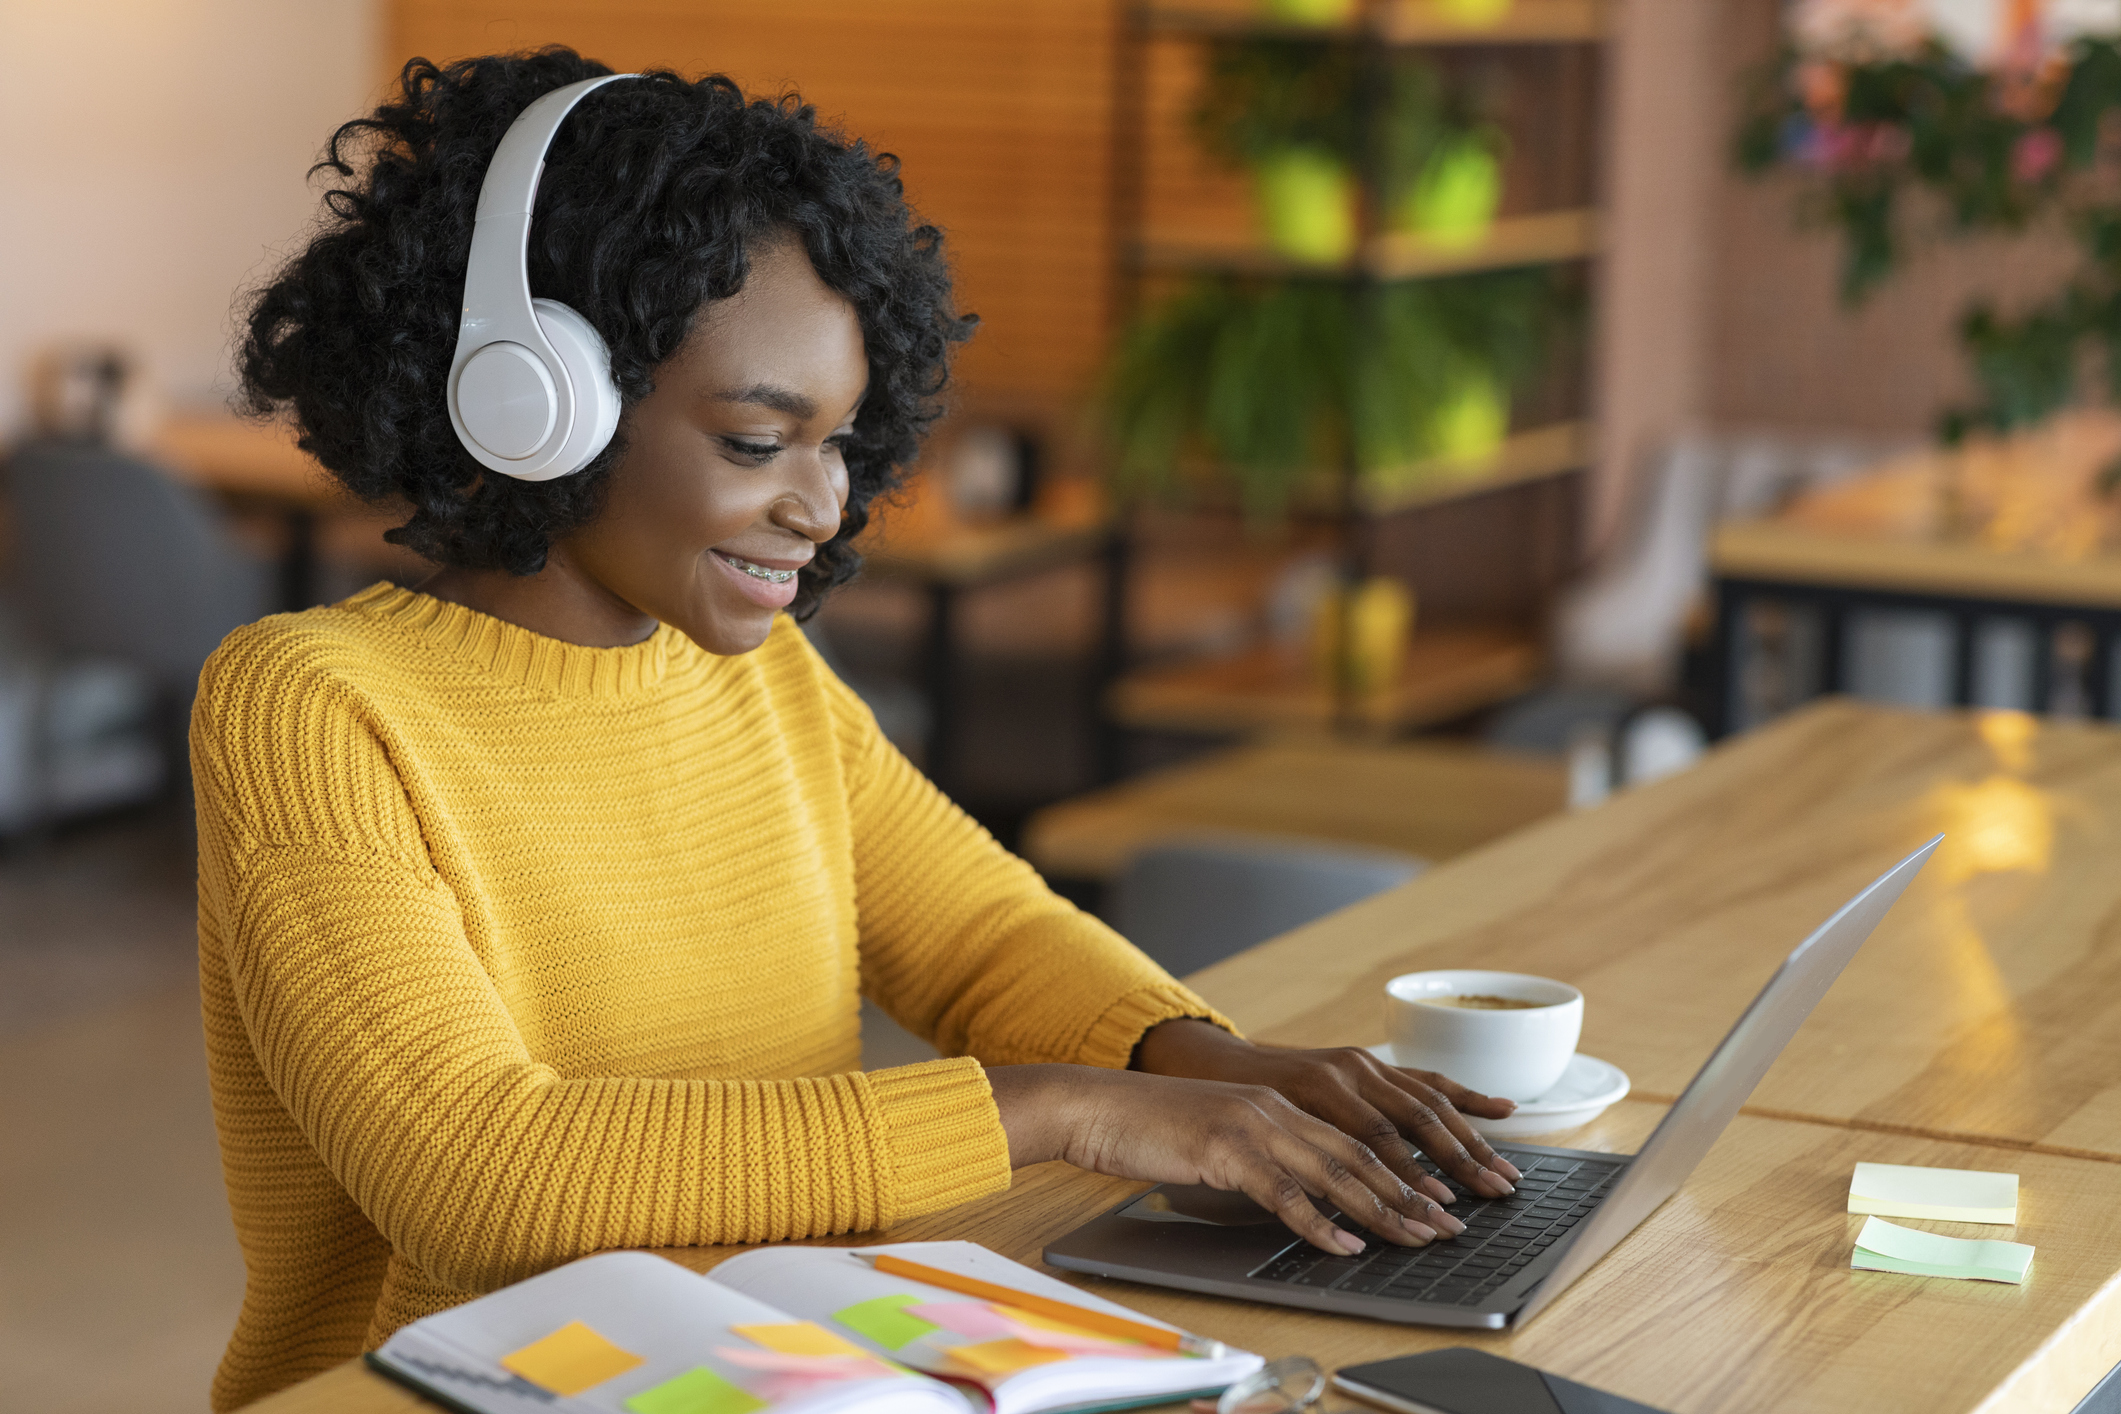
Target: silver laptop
{"x": 1516, "y": 1254}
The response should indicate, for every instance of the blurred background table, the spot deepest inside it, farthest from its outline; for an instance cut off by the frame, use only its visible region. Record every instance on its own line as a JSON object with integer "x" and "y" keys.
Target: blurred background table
{"x": 1432, "y": 801}
{"x": 948, "y": 558}
{"x": 257, "y": 466}
{"x": 2024, "y": 528}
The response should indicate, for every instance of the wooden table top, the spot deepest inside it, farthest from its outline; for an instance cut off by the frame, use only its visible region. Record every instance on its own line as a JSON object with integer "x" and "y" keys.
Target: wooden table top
{"x": 2026, "y": 518}
{"x": 1974, "y": 1031}
{"x": 1984, "y": 1007}
{"x": 936, "y": 550}
{"x": 1432, "y": 800}
{"x": 1448, "y": 672}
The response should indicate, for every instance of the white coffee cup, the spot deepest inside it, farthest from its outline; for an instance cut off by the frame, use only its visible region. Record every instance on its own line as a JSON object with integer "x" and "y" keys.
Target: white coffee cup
{"x": 1518, "y": 1053}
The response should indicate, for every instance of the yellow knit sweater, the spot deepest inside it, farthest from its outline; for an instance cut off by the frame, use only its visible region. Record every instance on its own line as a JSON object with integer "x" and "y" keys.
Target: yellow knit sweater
{"x": 514, "y": 950}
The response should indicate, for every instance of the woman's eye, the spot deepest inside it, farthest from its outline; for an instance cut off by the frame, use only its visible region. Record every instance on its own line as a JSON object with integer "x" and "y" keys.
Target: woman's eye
{"x": 760, "y": 450}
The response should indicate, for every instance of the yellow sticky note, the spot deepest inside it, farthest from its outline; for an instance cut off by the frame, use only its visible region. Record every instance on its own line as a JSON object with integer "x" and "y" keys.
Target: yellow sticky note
{"x": 570, "y": 1360}
{"x": 799, "y": 1338}
{"x": 1004, "y": 1357}
{"x": 1944, "y": 1195}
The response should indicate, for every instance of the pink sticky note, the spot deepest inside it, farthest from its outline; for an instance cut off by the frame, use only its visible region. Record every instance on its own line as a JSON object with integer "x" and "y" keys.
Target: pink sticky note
{"x": 974, "y": 1320}
{"x": 820, "y": 1367}
{"x": 1083, "y": 1344}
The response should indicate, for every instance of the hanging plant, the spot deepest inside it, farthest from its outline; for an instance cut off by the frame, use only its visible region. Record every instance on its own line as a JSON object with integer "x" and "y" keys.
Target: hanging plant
{"x": 1871, "y": 100}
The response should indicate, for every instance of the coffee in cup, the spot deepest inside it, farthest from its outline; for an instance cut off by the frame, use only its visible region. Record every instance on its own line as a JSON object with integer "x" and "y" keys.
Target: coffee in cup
{"x": 1501, "y": 1033}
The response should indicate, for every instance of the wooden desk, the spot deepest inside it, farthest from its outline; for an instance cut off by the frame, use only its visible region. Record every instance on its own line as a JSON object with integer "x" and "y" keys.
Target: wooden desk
{"x": 1974, "y": 1031}
{"x": 1984, "y": 1008}
{"x": 1735, "y": 1296}
{"x": 2021, "y": 526}
{"x": 1431, "y": 800}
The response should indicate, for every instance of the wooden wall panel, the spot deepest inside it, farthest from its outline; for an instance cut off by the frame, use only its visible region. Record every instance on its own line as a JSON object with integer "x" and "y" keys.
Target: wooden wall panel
{"x": 999, "y": 110}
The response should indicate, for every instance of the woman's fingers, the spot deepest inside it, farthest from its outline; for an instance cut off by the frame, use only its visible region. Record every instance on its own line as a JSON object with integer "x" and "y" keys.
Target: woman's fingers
{"x": 1470, "y": 1102}
{"x": 1361, "y": 1183}
{"x": 1434, "y": 1125}
{"x": 1303, "y": 1156}
{"x": 1453, "y": 1113}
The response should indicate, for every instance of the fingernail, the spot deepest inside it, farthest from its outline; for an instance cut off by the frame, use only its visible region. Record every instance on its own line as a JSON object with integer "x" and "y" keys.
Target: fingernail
{"x": 1440, "y": 1191}
{"x": 1496, "y": 1185}
{"x": 1348, "y": 1242}
{"x": 1444, "y": 1222}
{"x": 1507, "y": 1169}
{"x": 1420, "y": 1232}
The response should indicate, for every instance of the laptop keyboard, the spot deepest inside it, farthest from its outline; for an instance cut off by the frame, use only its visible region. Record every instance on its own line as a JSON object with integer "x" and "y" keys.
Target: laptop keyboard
{"x": 1503, "y": 1236}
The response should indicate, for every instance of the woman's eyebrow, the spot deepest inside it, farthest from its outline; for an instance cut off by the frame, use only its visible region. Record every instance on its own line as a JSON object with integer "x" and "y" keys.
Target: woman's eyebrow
{"x": 772, "y": 396}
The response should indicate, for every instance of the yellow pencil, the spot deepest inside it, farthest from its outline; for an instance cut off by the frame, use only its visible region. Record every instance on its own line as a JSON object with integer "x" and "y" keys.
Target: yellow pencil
{"x": 1098, "y": 1321}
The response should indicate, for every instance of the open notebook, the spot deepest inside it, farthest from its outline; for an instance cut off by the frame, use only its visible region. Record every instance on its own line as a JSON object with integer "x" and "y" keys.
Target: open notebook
{"x": 798, "y": 1330}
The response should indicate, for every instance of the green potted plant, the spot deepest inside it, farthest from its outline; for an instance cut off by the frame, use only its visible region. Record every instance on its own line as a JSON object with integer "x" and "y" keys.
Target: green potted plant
{"x": 1270, "y": 382}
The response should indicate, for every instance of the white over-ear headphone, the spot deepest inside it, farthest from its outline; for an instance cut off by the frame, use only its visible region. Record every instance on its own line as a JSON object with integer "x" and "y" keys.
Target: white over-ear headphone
{"x": 530, "y": 389}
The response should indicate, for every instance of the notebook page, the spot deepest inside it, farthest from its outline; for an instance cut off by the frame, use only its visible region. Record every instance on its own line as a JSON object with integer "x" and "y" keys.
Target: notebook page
{"x": 628, "y": 1333}
{"x": 1026, "y": 1370}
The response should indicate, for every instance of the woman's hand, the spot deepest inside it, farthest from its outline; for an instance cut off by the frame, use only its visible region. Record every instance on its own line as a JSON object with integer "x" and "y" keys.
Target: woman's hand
{"x": 1244, "y": 1138}
{"x": 1393, "y": 1112}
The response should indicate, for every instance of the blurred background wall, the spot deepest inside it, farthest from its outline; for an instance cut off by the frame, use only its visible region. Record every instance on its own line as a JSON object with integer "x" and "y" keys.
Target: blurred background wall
{"x": 155, "y": 165}
{"x": 172, "y": 138}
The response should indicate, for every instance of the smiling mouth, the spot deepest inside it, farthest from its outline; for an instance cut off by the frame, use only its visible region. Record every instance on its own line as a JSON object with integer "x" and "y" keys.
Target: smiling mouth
{"x": 771, "y": 576}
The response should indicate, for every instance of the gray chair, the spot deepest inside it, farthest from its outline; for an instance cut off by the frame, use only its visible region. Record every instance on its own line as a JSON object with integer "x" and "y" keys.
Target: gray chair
{"x": 115, "y": 562}
{"x": 114, "y": 559}
{"x": 1190, "y": 903}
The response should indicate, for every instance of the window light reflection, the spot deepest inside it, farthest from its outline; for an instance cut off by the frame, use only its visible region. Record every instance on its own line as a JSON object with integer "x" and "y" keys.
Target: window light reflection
{"x": 1994, "y": 826}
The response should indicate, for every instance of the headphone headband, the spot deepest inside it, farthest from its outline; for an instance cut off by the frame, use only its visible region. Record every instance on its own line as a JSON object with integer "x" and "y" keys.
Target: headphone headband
{"x": 516, "y": 390}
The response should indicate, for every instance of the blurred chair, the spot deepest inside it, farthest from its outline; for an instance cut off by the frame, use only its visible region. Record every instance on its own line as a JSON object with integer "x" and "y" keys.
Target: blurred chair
{"x": 1191, "y": 903}
{"x": 1620, "y": 632}
{"x": 114, "y": 562}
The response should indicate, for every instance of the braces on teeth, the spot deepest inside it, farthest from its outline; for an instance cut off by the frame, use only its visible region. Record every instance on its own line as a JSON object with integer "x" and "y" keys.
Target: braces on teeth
{"x": 760, "y": 571}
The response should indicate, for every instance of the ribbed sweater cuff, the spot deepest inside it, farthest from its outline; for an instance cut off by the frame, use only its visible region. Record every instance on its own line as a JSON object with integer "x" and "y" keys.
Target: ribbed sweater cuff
{"x": 1112, "y": 1038}
{"x": 942, "y": 1134}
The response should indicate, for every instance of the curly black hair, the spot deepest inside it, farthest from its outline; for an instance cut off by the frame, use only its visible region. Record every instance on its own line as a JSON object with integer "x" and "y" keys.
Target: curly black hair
{"x": 654, "y": 192}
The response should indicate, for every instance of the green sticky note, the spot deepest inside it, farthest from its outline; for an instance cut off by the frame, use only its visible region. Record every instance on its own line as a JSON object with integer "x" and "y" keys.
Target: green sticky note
{"x": 885, "y": 1321}
{"x": 1889, "y": 1247}
{"x": 699, "y": 1391}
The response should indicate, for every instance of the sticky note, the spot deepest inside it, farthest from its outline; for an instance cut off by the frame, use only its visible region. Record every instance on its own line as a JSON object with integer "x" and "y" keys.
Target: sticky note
{"x": 1049, "y": 1334}
{"x": 859, "y": 1366}
{"x": 1945, "y": 1195}
{"x": 799, "y": 1338}
{"x": 974, "y": 1320}
{"x": 1046, "y": 1323}
{"x": 1888, "y": 1247}
{"x": 886, "y": 1321}
{"x": 1003, "y": 1357}
{"x": 570, "y": 1360}
{"x": 700, "y": 1391}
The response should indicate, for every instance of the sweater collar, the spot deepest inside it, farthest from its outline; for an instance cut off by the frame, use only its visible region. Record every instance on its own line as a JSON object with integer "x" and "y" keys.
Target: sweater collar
{"x": 515, "y": 654}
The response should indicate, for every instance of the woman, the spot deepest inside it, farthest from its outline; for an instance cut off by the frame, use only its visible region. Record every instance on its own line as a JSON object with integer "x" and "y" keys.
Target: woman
{"x": 535, "y": 904}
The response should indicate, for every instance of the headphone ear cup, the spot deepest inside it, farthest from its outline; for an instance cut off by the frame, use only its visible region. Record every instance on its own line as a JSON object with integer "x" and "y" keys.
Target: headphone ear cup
{"x": 588, "y": 367}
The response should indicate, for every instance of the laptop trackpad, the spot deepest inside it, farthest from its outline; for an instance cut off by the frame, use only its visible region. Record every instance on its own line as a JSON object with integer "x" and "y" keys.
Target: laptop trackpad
{"x": 1191, "y": 1203}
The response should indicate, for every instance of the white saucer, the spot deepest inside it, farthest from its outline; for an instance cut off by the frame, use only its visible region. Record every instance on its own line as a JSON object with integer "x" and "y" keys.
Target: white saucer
{"x": 1580, "y": 1096}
